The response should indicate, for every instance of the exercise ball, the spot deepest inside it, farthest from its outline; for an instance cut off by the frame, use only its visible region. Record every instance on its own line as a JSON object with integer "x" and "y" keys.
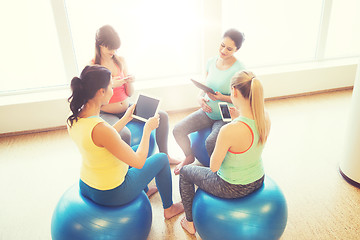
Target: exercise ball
{"x": 136, "y": 129}
{"x": 260, "y": 215}
{"x": 76, "y": 217}
{"x": 198, "y": 146}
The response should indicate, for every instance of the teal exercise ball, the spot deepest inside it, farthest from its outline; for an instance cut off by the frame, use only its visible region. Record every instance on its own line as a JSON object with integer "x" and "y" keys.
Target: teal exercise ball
{"x": 136, "y": 129}
{"x": 262, "y": 215}
{"x": 198, "y": 145}
{"x": 76, "y": 217}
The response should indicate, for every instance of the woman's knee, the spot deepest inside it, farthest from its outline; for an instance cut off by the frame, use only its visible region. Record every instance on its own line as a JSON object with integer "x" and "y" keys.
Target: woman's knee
{"x": 178, "y": 130}
{"x": 210, "y": 144}
{"x": 162, "y": 158}
{"x": 163, "y": 116}
{"x": 185, "y": 170}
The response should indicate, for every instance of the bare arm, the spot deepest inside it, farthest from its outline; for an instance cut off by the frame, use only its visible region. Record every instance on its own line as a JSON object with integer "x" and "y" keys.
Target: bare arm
{"x": 223, "y": 143}
{"x": 221, "y": 97}
{"x": 125, "y": 119}
{"x": 129, "y": 86}
{"x": 106, "y": 136}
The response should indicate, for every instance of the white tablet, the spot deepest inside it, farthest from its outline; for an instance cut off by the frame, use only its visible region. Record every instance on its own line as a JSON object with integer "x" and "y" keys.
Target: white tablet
{"x": 146, "y": 107}
{"x": 225, "y": 111}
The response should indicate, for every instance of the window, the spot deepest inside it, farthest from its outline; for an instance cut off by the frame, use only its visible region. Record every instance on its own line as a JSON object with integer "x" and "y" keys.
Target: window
{"x": 31, "y": 56}
{"x": 344, "y": 36}
{"x": 159, "y": 38}
{"x": 277, "y": 31}
{"x": 162, "y": 39}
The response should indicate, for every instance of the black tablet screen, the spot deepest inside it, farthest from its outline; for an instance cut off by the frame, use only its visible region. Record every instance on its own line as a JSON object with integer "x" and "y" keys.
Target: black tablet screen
{"x": 146, "y": 107}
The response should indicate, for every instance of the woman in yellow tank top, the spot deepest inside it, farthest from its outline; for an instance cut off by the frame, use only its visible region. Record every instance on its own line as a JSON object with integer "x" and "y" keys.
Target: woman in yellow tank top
{"x": 105, "y": 177}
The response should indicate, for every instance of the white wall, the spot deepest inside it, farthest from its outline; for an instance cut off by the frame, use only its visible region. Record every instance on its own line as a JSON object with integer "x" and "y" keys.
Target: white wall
{"x": 50, "y": 109}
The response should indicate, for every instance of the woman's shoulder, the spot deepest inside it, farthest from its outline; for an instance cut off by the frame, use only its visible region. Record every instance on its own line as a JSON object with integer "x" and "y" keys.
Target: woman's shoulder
{"x": 121, "y": 59}
{"x": 235, "y": 128}
{"x": 239, "y": 65}
{"x": 212, "y": 59}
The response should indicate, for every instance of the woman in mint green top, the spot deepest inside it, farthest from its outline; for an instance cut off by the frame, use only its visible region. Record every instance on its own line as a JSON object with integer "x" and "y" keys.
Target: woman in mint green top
{"x": 236, "y": 167}
{"x": 219, "y": 71}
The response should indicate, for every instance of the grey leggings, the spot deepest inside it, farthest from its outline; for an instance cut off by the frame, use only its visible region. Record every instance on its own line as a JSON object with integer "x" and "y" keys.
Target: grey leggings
{"x": 161, "y": 133}
{"x": 196, "y": 121}
{"x": 204, "y": 178}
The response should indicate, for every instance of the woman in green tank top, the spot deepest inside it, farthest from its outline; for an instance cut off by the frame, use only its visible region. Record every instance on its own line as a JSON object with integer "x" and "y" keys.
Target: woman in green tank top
{"x": 236, "y": 168}
{"x": 219, "y": 71}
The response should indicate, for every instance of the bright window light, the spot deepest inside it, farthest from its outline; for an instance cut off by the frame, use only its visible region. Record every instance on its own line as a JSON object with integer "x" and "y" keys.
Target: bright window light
{"x": 276, "y": 32}
{"x": 344, "y": 35}
{"x": 159, "y": 38}
{"x": 30, "y": 52}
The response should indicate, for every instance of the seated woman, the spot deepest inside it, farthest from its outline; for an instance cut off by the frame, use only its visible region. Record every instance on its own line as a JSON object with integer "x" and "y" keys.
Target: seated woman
{"x": 107, "y": 42}
{"x": 105, "y": 176}
{"x": 219, "y": 71}
{"x": 236, "y": 168}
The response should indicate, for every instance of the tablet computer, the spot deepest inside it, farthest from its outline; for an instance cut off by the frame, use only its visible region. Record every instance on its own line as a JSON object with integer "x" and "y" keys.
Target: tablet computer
{"x": 203, "y": 87}
{"x": 146, "y": 107}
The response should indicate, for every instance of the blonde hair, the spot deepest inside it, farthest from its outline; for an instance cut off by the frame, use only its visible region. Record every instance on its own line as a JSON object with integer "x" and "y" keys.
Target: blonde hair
{"x": 251, "y": 88}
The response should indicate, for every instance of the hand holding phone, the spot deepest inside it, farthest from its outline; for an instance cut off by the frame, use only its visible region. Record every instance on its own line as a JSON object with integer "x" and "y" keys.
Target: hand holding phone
{"x": 225, "y": 111}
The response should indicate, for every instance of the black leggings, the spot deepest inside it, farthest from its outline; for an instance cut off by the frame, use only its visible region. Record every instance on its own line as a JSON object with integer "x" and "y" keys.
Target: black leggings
{"x": 204, "y": 178}
{"x": 194, "y": 122}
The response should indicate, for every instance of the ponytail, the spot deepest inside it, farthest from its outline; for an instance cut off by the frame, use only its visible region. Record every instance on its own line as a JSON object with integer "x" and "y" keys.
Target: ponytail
{"x": 84, "y": 88}
{"x": 76, "y": 100}
{"x": 251, "y": 88}
{"x": 258, "y": 109}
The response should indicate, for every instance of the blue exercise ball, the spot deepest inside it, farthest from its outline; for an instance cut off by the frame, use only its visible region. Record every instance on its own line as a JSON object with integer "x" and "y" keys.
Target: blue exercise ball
{"x": 136, "y": 129}
{"x": 260, "y": 215}
{"x": 76, "y": 217}
{"x": 198, "y": 146}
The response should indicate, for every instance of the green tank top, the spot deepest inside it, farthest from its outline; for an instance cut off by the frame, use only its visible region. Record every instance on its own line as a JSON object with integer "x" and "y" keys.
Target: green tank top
{"x": 219, "y": 81}
{"x": 245, "y": 167}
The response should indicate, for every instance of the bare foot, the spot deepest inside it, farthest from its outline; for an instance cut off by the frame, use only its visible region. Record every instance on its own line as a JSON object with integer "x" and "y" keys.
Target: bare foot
{"x": 151, "y": 191}
{"x": 188, "y": 160}
{"x": 174, "y": 210}
{"x": 188, "y": 226}
{"x": 173, "y": 161}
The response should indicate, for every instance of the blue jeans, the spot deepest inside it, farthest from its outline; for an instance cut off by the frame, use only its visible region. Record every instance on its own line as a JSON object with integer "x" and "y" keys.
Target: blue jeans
{"x": 136, "y": 180}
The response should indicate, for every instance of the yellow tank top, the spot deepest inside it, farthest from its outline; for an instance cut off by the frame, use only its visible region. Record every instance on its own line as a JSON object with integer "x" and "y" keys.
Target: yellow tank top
{"x": 99, "y": 169}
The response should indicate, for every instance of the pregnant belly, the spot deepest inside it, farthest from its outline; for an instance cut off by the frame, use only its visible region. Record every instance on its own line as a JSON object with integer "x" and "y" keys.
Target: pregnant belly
{"x": 117, "y": 107}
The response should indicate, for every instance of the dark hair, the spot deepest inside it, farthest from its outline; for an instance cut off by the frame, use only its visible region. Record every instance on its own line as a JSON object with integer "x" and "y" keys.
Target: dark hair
{"x": 84, "y": 88}
{"x": 106, "y": 36}
{"x": 236, "y": 36}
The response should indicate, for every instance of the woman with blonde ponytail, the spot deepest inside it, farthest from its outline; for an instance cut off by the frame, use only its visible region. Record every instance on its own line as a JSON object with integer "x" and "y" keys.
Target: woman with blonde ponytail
{"x": 236, "y": 167}
{"x": 256, "y": 95}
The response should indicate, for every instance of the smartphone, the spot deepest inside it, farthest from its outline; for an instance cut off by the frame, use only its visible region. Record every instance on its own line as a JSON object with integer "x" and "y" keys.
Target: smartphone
{"x": 225, "y": 111}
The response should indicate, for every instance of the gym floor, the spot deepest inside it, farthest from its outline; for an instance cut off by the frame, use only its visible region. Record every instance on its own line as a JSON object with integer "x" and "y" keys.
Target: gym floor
{"x": 302, "y": 155}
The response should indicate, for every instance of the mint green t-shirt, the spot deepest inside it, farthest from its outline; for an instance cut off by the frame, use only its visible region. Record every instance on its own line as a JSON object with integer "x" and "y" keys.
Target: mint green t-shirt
{"x": 245, "y": 167}
{"x": 219, "y": 81}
